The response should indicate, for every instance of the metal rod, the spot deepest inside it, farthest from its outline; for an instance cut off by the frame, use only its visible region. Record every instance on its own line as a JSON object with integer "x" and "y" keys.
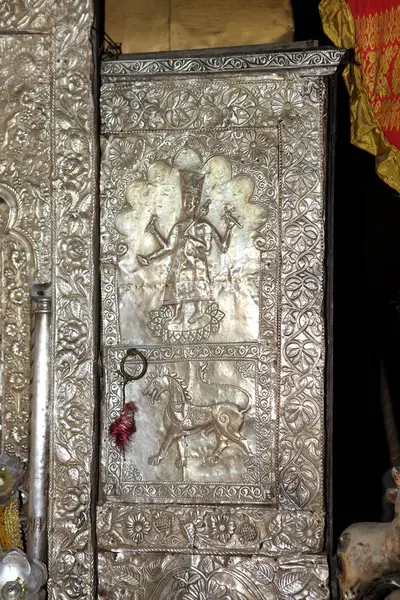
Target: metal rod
{"x": 39, "y": 433}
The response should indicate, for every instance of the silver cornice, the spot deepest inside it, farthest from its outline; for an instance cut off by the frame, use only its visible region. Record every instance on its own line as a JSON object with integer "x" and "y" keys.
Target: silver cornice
{"x": 323, "y": 61}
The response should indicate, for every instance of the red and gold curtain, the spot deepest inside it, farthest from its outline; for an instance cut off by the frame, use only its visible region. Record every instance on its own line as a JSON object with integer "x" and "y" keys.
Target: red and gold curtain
{"x": 372, "y": 28}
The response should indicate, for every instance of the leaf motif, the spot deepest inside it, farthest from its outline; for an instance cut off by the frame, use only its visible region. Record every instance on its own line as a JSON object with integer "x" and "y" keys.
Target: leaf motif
{"x": 293, "y": 581}
{"x": 62, "y": 454}
{"x": 126, "y": 575}
{"x": 153, "y": 569}
{"x": 312, "y": 446}
{"x": 82, "y": 370}
{"x": 259, "y": 571}
{"x": 76, "y": 309}
{"x": 64, "y": 286}
{"x": 207, "y": 565}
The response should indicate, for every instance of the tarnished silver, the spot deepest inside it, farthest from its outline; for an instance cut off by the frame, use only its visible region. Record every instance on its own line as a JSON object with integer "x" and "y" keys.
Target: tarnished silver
{"x": 224, "y": 169}
{"x": 212, "y": 266}
{"x": 48, "y": 179}
{"x": 154, "y": 576}
{"x": 38, "y": 480}
{"x": 303, "y": 61}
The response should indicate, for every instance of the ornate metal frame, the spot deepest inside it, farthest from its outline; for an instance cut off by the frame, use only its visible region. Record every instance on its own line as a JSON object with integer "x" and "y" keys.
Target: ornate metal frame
{"x": 49, "y": 154}
{"x": 48, "y": 135}
{"x": 287, "y": 97}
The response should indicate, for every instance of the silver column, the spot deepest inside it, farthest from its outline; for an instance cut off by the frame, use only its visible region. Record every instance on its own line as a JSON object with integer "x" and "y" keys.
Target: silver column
{"x": 39, "y": 433}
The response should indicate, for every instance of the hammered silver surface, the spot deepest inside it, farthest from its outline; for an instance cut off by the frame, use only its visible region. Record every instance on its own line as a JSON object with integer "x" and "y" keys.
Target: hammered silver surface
{"x": 186, "y": 577}
{"x": 251, "y": 324}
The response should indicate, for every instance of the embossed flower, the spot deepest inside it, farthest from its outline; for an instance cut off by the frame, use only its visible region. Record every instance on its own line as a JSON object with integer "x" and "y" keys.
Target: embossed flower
{"x": 162, "y": 522}
{"x": 75, "y": 251}
{"x": 74, "y": 587}
{"x": 222, "y": 527}
{"x": 206, "y": 590}
{"x": 136, "y": 527}
{"x": 73, "y": 333}
{"x": 308, "y": 531}
{"x": 19, "y": 432}
{"x": 18, "y": 381}
{"x": 21, "y": 136}
{"x": 18, "y": 258}
{"x": 195, "y": 526}
{"x": 75, "y": 84}
{"x": 287, "y": 103}
{"x": 247, "y": 533}
{"x": 18, "y": 348}
{"x": 26, "y": 96}
{"x": 255, "y": 146}
{"x": 115, "y": 112}
{"x": 11, "y": 329}
{"x": 125, "y": 154}
{"x": 18, "y": 295}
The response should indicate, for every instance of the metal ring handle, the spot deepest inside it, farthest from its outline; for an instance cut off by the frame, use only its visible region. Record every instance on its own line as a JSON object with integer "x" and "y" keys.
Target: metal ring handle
{"x": 130, "y": 353}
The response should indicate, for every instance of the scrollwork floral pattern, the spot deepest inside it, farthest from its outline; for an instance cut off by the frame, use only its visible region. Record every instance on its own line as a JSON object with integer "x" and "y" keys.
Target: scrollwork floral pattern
{"x": 240, "y": 529}
{"x": 71, "y": 571}
{"x": 186, "y": 577}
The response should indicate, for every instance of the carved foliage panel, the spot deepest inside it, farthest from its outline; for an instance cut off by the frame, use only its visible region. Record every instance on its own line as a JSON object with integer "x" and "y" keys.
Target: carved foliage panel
{"x": 15, "y": 362}
{"x": 185, "y": 577}
{"x": 185, "y": 512}
{"x": 48, "y": 180}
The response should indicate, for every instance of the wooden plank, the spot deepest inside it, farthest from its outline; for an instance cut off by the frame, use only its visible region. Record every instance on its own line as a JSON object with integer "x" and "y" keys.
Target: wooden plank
{"x": 140, "y": 25}
{"x": 210, "y": 24}
{"x": 159, "y": 25}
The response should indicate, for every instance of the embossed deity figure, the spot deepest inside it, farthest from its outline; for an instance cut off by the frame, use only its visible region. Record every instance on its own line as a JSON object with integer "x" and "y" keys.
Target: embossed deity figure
{"x": 188, "y": 286}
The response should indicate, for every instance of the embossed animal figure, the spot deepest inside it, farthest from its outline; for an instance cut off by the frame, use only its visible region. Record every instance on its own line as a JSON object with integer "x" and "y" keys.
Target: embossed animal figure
{"x": 221, "y": 412}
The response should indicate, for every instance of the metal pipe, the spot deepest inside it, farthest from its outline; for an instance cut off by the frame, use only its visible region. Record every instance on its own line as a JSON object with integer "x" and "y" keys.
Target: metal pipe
{"x": 39, "y": 421}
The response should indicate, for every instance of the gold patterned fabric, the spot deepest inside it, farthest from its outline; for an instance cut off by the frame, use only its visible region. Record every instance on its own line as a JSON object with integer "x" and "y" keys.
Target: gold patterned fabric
{"x": 372, "y": 28}
{"x": 10, "y": 526}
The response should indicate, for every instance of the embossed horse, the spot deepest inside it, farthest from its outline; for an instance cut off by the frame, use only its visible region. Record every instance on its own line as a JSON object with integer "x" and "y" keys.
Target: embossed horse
{"x": 222, "y": 411}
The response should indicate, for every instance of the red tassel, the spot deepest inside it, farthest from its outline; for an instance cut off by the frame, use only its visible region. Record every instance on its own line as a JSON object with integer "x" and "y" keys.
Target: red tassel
{"x": 124, "y": 426}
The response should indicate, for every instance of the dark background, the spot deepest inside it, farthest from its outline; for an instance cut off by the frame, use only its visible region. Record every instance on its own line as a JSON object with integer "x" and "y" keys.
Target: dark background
{"x": 366, "y": 317}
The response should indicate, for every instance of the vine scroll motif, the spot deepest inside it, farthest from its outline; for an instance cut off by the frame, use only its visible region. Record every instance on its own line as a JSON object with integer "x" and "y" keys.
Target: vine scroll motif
{"x": 71, "y": 569}
{"x": 148, "y": 577}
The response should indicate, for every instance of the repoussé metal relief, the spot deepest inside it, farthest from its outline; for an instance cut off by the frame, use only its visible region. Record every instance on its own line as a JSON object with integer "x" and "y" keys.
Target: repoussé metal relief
{"x": 212, "y": 220}
{"x": 211, "y": 267}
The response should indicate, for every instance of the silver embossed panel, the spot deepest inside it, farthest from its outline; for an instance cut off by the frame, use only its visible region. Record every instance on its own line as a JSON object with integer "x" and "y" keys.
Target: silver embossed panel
{"x": 212, "y": 250}
{"x": 212, "y": 267}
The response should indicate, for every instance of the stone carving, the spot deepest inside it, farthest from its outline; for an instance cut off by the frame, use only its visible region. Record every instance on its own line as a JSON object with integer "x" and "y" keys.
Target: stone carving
{"x": 369, "y": 552}
{"x": 219, "y": 409}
